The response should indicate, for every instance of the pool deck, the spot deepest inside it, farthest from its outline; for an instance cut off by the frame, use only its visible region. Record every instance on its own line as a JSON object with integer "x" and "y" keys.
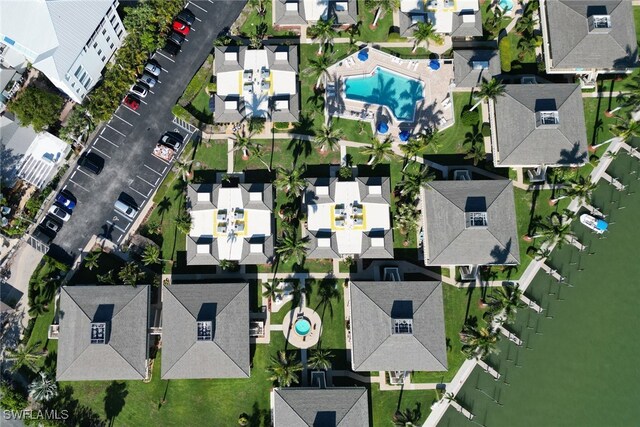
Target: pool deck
{"x": 288, "y": 328}
{"x": 434, "y": 111}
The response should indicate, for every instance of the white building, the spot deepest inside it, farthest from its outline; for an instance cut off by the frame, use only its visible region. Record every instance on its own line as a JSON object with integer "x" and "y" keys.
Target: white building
{"x": 70, "y": 41}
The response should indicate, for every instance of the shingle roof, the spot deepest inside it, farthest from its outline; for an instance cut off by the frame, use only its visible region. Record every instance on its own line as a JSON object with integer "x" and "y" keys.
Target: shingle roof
{"x": 463, "y": 66}
{"x": 194, "y": 258}
{"x": 384, "y": 251}
{"x": 311, "y": 192}
{"x": 290, "y": 114}
{"x": 450, "y": 242}
{"x": 406, "y": 25}
{"x": 365, "y": 184}
{"x": 315, "y": 251}
{"x": 460, "y": 28}
{"x": 227, "y": 115}
{"x": 227, "y": 355}
{"x": 124, "y": 355}
{"x": 192, "y": 196}
{"x": 528, "y": 145}
{"x": 292, "y": 57}
{"x": 285, "y": 17}
{"x": 222, "y": 64}
{"x": 573, "y": 46}
{"x": 311, "y": 407}
{"x": 374, "y": 305}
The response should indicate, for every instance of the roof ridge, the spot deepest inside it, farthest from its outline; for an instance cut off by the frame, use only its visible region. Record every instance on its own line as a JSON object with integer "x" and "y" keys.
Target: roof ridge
{"x": 429, "y": 351}
{"x": 362, "y": 393}
{"x": 127, "y": 304}
{"x": 232, "y": 299}
{"x": 529, "y": 135}
{"x": 506, "y": 185}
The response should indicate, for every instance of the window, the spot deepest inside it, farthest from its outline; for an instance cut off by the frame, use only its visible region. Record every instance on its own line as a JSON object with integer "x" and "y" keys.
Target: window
{"x": 111, "y": 47}
{"x": 104, "y": 58}
{"x": 108, "y": 39}
{"x": 99, "y": 51}
{"x": 88, "y": 83}
{"x": 84, "y": 76}
{"x": 113, "y": 18}
{"x": 120, "y": 33}
{"x": 104, "y": 32}
{"x": 78, "y": 71}
{"x": 95, "y": 45}
{"x": 116, "y": 27}
{"x": 476, "y": 219}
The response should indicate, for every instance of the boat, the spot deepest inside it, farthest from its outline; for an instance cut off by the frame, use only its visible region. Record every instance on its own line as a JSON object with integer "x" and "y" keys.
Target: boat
{"x": 597, "y": 225}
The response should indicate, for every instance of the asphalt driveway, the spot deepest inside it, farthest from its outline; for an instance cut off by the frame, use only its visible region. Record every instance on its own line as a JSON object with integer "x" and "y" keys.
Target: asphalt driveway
{"x": 127, "y": 141}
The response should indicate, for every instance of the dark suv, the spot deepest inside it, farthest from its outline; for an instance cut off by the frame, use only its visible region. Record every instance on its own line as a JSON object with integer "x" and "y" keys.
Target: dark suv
{"x": 176, "y": 38}
{"x": 172, "y": 140}
{"x": 187, "y": 17}
{"x": 92, "y": 162}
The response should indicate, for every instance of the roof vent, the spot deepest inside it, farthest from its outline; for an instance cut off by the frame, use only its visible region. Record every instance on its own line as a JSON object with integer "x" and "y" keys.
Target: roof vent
{"x": 98, "y": 333}
{"x": 476, "y": 219}
{"x": 401, "y": 326}
{"x": 600, "y": 24}
{"x": 547, "y": 119}
{"x": 204, "y": 330}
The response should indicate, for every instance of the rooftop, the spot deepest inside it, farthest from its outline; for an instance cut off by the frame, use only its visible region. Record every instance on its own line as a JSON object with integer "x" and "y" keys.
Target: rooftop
{"x": 301, "y": 12}
{"x": 447, "y": 16}
{"x": 470, "y": 66}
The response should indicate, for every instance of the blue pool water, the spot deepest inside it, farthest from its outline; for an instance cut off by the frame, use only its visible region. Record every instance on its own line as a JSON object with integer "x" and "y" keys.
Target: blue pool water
{"x": 303, "y": 326}
{"x": 384, "y": 87}
{"x": 506, "y": 5}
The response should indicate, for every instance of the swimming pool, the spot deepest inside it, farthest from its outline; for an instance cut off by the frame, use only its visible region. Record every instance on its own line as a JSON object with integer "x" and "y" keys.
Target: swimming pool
{"x": 383, "y": 87}
{"x": 506, "y": 5}
{"x": 302, "y": 326}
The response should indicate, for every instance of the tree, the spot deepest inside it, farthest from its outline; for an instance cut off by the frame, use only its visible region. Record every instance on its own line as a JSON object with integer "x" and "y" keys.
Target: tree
{"x": 381, "y": 7}
{"x": 43, "y": 388}
{"x": 406, "y": 217}
{"x": 625, "y": 129}
{"x": 36, "y": 107}
{"x": 525, "y": 25}
{"x": 328, "y": 137}
{"x": 151, "y": 255}
{"x": 525, "y": 45}
{"x": 228, "y": 265}
{"x": 183, "y": 169}
{"x": 407, "y": 418}
{"x": 78, "y": 127}
{"x": 318, "y": 67}
{"x": 411, "y": 150}
{"x": 256, "y": 151}
{"x": 475, "y": 153}
{"x": 503, "y": 303}
{"x": 328, "y": 292}
{"x": 183, "y": 222}
{"x": 242, "y": 143}
{"x": 291, "y": 181}
{"x": 26, "y": 355}
{"x": 423, "y": 33}
{"x": 243, "y": 420}
{"x": 379, "y": 151}
{"x": 256, "y": 124}
{"x": 38, "y": 306}
{"x": 320, "y": 359}
{"x": 354, "y": 31}
{"x": 580, "y": 188}
{"x": 629, "y": 97}
{"x": 478, "y": 342}
{"x": 259, "y": 6}
{"x": 413, "y": 181}
{"x": 284, "y": 369}
{"x": 473, "y": 138}
{"x": 489, "y": 90}
{"x": 323, "y": 32}
{"x": 291, "y": 247}
{"x": 107, "y": 278}
{"x": 555, "y": 230}
{"x": 91, "y": 260}
{"x": 131, "y": 274}
{"x": 271, "y": 290}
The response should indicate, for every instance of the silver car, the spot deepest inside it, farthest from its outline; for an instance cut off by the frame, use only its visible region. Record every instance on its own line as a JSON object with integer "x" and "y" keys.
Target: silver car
{"x": 148, "y": 80}
{"x": 138, "y": 90}
{"x": 152, "y": 69}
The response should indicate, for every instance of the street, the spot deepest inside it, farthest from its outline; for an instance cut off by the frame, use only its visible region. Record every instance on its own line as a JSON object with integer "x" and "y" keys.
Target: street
{"x": 126, "y": 142}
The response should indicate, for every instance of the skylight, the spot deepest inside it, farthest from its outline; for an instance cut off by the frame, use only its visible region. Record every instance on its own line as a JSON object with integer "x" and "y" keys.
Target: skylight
{"x": 479, "y": 65}
{"x": 98, "y": 333}
{"x": 476, "y": 219}
{"x": 402, "y": 326}
{"x": 547, "y": 118}
{"x": 600, "y": 23}
{"x": 204, "y": 330}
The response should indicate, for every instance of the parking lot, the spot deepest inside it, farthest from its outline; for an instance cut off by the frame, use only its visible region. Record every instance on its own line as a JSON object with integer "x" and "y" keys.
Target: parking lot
{"x": 131, "y": 172}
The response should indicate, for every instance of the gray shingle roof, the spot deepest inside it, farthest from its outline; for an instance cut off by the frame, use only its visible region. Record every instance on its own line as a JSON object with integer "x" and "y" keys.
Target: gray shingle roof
{"x": 315, "y": 407}
{"x": 290, "y": 114}
{"x": 460, "y": 28}
{"x": 450, "y": 242}
{"x": 370, "y": 251}
{"x": 227, "y": 355}
{"x": 125, "y": 310}
{"x": 221, "y": 64}
{"x": 262, "y": 257}
{"x": 573, "y": 46}
{"x": 406, "y": 25}
{"x": 290, "y": 65}
{"x": 365, "y": 184}
{"x": 311, "y": 192}
{"x": 192, "y": 196}
{"x": 463, "y": 66}
{"x": 284, "y": 17}
{"x": 315, "y": 251}
{"x": 194, "y": 258}
{"x": 528, "y": 145}
{"x": 374, "y": 305}
{"x": 227, "y": 115}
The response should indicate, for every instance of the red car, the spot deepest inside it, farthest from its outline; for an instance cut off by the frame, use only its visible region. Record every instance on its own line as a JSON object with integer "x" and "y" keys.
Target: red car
{"x": 132, "y": 102}
{"x": 181, "y": 27}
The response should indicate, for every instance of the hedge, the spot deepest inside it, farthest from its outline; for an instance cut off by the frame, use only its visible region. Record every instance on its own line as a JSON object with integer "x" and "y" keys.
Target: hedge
{"x": 505, "y": 54}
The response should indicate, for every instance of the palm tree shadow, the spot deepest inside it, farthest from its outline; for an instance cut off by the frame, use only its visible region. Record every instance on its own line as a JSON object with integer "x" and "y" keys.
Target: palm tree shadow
{"x": 114, "y": 400}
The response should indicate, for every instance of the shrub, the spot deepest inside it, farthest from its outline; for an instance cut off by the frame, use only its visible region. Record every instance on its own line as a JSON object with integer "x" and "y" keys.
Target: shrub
{"x": 281, "y": 125}
{"x": 180, "y": 112}
{"x": 198, "y": 82}
{"x": 505, "y": 54}
{"x": 11, "y": 398}
{"x": 36, "y": 107}
{"x": 395, "y": 37}
{"x": 470, "y": 118}
{"x": 486, "y": 129}
{"x": 345, "y": 173}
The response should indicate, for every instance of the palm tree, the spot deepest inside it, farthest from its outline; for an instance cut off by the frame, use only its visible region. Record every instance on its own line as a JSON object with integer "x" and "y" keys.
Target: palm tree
{"x": 379, "y": 151}
{"x": 183, "y": 222}
{"x": 478, "y": 342}
{"x": 412, "y": 149}
{"x": 525, "y": 45}
{"x": 271, "y": 291}
{"x": 26, "y": 355}
{"x": 91, "y": 260}
{"x": 183, "y": 169}
{"x": 423, "y": 33}
{"x": 580, "y": 188}
{"x": 413, "y": 181}
{"x": 43, "y": 388}
{"x": 556, "y": 230}
{"x": 503, "y": 304}
{"x": 328, "y": 137}
{"x": 475, "y": 153}
{"x": 629, "y": 97}
{"x": 256, "y": 150}
{"x": 489, "y": 90}
{"x": 284, "y": 369}
{"x": 473, "y": 138}
{"x": 625, "y": 129}
{"x": 525, "y": 24}
{"x": 243, "y": 420}
{"x": 406, "y": 218}
{"x": 289, "y": 246}
{"x": 256, "y": 124}
{"x": 381, "y": 7}
{"x": 291, "y": 181}
{"x": 242, "y": 143}
{"x": 131, "y": 274}
{"x": 151, "y": 255}
{"x": 328, "y": 292}
{"x": 259, "y": 6}
{"x": 38, "y": 306}
{"x": 227, "y": 265}
{"x": 318, "y": 67}
{"x": 407, "y": 418}
{"x": 323, "y": 32}
{"x": 107, "y": 278}
{"x": 320, "y": 359}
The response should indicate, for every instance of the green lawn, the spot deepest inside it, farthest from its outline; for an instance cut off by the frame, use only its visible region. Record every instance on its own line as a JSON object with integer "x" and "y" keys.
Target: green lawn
{"x": 378, "y": 34}
{"x": 332, "y": 313}
{"x": 407, "y": 52}
{"x": 200, "y": 105}
{"x": 285, "y": 153}
{"x": 253, "y": 19}
{"x": 386, "y": 403}
{"x": 186, "y": 402}
{"x": 451, "y": 139}
{"x": 487, "y": 13}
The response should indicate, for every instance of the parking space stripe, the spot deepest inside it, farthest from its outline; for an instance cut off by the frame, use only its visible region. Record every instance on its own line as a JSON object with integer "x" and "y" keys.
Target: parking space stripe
{"x": 152, "y": 170}
{"x": 165, "y": 71}
{"x": 143, "y": 102}
{"x": 144, "y": 180}
{"x": 115, "y": 226}
{"x": 198, "y": 19}
{"x": 115, "y": 130}
{"x": 80, "y": 170}
{"x": 104, "y": 154}
{"x": 165, "y": 56}
{"x": 152, "y": 92}
{"x": 75, "y": 183}
{"x": 143, "y": 195}
{"x": 115, "y": 115}
{"x": 100, "y": 136}
{"x": 193, "y": 4}
{"x": 133, "y": 111}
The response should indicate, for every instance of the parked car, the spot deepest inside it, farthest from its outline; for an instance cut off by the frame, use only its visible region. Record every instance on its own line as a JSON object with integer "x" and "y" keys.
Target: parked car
{"x": 43, "y": 234}
{"x": 125, "y": 208}
{"x": 148, "y": 80}
{"x": 51, "y": 223}
{"x": 153, "y": 69}
{"x": 139, "y": 90}
{"x": 172, "y": 140}
{"x": 187, "y": 17}
{"x": 66, "y": 199}
{"x": 176, "y": 38}
{"x": 171, "y": 48}
{"x": 181, "y": 27}
{"x": 132, "y": 102}
{"x": 92, "y": 162}
{"x": 59, "y": 212}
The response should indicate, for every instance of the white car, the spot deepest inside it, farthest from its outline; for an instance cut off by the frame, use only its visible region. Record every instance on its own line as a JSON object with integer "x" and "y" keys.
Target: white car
{"x": 148, "y": 80}
{"x": 152, "y": 69}
{"x": 60, "y": 213}
{"x": 138, "y": 90}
